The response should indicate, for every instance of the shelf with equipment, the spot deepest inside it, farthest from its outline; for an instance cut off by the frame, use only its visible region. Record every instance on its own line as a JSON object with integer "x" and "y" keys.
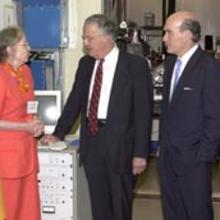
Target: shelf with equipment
{"x": 152, "y": 35}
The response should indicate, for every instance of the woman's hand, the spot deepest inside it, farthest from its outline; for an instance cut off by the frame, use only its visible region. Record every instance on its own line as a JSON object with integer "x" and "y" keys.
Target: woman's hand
{"x": 35, "y": 127}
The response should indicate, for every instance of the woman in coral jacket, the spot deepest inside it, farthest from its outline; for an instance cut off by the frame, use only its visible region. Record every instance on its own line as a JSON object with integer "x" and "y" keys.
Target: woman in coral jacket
{"x": 19, "y": 128}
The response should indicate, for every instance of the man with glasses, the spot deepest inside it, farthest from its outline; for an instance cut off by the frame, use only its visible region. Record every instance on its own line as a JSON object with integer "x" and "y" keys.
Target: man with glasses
{"x": 113, "y": 94}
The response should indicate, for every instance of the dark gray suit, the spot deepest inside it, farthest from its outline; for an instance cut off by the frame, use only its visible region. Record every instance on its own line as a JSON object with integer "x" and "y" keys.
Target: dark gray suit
{"x": 189, "y": 138}
{"x": 107, "y": 157}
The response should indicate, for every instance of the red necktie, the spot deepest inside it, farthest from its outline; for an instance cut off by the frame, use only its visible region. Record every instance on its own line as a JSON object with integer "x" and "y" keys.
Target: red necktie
{"x": 93, "y": 108}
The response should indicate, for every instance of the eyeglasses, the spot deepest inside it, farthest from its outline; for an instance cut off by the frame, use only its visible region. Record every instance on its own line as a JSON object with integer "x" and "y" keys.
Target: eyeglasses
{"x": 25, "y": 44}
{"x": 91, "y": 38}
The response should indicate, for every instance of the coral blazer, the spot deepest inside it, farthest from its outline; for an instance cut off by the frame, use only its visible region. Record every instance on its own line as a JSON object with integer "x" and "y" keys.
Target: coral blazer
{"x": 18, "y": 152}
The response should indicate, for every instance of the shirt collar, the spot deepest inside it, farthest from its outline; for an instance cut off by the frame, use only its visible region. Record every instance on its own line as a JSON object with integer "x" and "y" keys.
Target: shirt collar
{"x": 111, "y": 55}
{"x": 185, "y": 58}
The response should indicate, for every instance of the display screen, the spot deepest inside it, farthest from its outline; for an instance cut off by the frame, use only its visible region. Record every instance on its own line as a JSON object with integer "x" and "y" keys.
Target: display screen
{"x": 49, "y": 108}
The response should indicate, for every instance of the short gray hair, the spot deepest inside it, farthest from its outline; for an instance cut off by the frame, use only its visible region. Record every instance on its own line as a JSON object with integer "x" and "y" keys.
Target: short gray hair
{"x": 105, "y": 25}
{"x": 193, "y": 26}
{"x": 9, "y": 37}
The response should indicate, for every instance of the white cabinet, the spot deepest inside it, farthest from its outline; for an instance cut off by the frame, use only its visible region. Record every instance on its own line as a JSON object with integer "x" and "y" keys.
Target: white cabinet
{"x": 63, "y": 187}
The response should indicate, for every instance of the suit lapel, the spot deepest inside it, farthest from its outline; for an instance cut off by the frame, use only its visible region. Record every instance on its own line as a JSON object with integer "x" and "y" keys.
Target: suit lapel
{"x": 186, "y": 74}
{"x": 167, "y": 79}
{"x": 117, "y": 84}
{"x": 86, "y": 83}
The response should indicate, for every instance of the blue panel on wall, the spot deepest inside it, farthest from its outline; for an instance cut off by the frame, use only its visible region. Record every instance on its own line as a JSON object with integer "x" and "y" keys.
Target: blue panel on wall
{"x": 38, "y": 68}
{"x": 42, "y": 26}
{"x": 41, "y": 2}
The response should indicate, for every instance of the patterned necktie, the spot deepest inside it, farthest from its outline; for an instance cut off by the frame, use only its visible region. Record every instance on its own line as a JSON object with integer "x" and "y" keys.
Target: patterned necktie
{"x": 93, "y": 108}
{"x": 176, "y": 75}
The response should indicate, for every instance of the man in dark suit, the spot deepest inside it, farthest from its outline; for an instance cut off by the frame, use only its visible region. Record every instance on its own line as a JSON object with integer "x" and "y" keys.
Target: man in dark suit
{"x": 190, "y": 122}
{"x": 113, "y": 143}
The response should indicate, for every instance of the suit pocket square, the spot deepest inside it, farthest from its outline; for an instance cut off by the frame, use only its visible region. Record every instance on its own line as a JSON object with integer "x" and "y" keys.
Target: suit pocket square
{"x": 187, "y": 88}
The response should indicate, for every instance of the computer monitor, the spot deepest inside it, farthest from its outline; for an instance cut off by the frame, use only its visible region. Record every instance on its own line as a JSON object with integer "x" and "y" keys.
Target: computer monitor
{"x": 49, "y": 107}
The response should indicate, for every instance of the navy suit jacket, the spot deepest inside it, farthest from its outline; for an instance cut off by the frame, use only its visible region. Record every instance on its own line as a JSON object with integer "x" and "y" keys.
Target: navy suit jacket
{"x": 190, "y": 122}
{"x": 129, "y": 114}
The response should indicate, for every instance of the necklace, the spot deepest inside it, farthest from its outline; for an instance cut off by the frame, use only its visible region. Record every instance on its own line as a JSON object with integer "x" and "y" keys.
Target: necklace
{"x": 18, "y": 74}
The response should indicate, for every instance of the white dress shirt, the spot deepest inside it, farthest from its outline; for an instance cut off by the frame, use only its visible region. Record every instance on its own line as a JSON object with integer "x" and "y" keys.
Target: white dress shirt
{"x": 109, "y": 67}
